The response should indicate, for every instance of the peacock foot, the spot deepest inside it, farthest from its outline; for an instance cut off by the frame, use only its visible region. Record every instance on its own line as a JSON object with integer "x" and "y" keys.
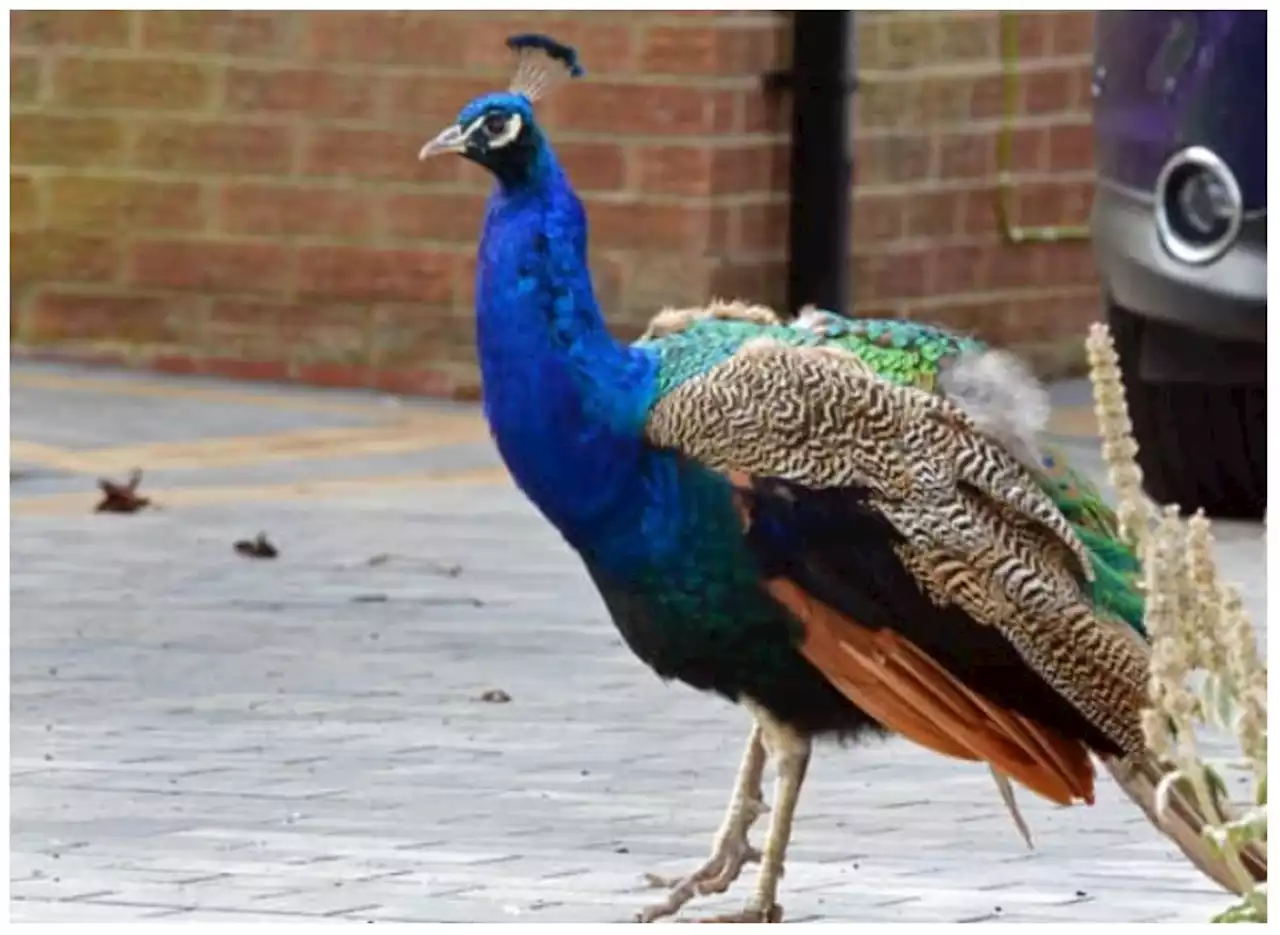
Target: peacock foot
{"x": 730, "y": 855}
{"x": 753, "y": 914}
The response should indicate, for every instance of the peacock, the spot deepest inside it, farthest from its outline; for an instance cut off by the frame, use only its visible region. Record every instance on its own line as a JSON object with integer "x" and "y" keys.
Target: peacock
{"x": 848, "y": 527}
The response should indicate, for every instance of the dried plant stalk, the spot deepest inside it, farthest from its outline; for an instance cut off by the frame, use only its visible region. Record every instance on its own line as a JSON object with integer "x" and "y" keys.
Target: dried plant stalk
{"x": 1199, "y": 630}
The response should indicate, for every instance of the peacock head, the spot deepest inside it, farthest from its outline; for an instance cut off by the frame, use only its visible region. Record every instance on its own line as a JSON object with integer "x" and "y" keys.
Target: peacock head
{"x": 499, "y": 130}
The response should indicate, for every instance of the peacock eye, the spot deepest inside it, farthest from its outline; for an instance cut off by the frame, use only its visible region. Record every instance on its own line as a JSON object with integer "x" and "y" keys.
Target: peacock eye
{"x": 495, "y": 123}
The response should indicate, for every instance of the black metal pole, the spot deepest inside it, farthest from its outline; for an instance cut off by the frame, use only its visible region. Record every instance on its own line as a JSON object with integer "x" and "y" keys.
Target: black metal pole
{"x": 821, "y": 81}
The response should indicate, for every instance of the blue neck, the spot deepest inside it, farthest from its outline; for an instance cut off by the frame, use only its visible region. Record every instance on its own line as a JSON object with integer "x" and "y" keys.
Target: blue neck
{"x": 565, "y": 401}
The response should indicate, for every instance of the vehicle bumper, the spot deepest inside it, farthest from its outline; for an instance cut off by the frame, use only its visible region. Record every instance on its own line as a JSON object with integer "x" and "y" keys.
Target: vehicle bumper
{"x": 1225, "y": 299}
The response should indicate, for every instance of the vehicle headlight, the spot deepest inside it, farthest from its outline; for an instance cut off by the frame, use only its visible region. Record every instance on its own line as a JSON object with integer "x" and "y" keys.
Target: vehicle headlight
{"x": 1198, "y": 206}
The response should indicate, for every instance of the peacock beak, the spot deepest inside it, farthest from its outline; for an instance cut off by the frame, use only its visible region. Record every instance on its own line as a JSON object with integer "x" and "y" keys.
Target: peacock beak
{"x": 451, "y": 140}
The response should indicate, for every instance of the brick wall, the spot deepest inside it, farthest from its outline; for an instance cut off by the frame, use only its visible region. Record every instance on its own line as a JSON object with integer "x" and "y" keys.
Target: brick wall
{"x": 238, "y": 192}
{"x": 926, "y": 240}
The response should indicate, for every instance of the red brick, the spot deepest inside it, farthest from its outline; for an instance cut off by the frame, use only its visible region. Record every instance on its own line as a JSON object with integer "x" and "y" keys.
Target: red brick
{"x": 1071, "y": 147}
{"x": 434, "y": 101}
{"x": 1072, "y": 33}
{"x": 1047, "y": 92}
{"x": 24, "y": 201}
{"x": 44, "y": 255}
{"x": 417, "y": 382}
{"x": 609, "y": 272}
{"x": 749, "y": 168}
{"x": 360, "y": 274}
{"x": 632, "y": 109}
{"x": 1033, "y": 34}
{"x": 680, "y": 51}
{"x": 1029, "y": 149}
{"x": 444, "y": 216}
{"x": 377, "y": 155}
{"x": 236, "y": 368}
{"x": 765, "y": 113}
{"x": 136, "y": 84}
{"x": 677, "y": 170}
{"x": 327, "y": 332}
{"x": 95, "y": 203}
{"x": 754, "y": 280}
{"x": 54, "y": 315}
{"x": 180, "y": 363}
{"x": 1066, "y": 263}
{"x": 464, "y": 280}
{"x": 945, "y": 101}
{"x": 404, "y": 337}
{"x": 955, "y": 269}
{"x": 896, "y": 275}
{"x": 279, "y": 210}
{"x": 728, "y": 113}
{"x": 311, "y": 91}
{"x": 934, "y": 215}
{"x": 877, "y": 219}
{"x": 46, "y": 140}
{"x": 239, "y": 148}
{"x": 240, "y": 32}
{"x": 754, "y": 50}
{"x": 386, "y": 38}
{"x": 335, "y": 376}
{"x": 966, "y": 155}
{"x": 978, "y": 212}
{"x": 237, "y": 314}
{"x": 211, "y": 266}
{"x": 24, "y": 78}
{"x": 1049, "y": 318}
{"x": 986, "y": 97}
{"x": 891, "y": 159}
{"x": 644, "y": 226}
{"x": 1010, "y": 268}
{"x": 98, "y": 28}
{"x": 1046, "y": 204}
{"x": 762, "y": 229}
{"x": 598, "y": 167}
{"x": 967, "y": 37}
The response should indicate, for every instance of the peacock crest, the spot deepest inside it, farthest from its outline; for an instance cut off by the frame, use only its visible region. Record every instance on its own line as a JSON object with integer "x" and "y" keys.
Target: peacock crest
{"x": 542, "y": 64}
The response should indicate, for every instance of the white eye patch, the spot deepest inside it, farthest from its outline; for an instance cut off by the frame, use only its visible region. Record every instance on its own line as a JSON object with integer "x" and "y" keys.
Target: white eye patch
{"x": 509, "y": 132}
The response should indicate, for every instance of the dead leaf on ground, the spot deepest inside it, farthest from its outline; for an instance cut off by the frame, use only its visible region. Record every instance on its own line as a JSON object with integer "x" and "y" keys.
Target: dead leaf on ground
{"x": 256, "y": 548}
{"x": 121, "y": 498}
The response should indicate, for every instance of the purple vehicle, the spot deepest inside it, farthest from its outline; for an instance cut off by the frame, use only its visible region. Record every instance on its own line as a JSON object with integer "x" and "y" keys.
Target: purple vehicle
{"x": 1180, "y": 228}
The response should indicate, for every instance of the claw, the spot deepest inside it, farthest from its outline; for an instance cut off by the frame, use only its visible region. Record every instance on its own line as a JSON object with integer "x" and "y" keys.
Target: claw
{"x": 751, "y": 915}
{"x": 715, "y": 876}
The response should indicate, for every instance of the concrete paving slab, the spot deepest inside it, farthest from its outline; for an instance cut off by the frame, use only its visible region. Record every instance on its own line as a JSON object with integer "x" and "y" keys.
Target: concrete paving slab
{"x": 196, "y": 736}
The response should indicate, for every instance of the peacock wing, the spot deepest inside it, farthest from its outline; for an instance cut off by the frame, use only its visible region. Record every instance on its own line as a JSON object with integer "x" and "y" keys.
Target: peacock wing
{"x": 937, "y": 584}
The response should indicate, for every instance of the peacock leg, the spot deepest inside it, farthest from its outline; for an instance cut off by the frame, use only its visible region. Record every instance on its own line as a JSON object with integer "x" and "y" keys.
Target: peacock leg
{"x": 790, "y": 752}
{"x": 731, "y": 850}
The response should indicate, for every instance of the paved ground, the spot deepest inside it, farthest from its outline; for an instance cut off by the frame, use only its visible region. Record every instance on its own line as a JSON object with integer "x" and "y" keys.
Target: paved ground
{"x": 197, "y": 735}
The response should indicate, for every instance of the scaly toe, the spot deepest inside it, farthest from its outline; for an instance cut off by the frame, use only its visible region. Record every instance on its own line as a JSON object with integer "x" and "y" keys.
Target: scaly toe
{"x": 751, "y": 915}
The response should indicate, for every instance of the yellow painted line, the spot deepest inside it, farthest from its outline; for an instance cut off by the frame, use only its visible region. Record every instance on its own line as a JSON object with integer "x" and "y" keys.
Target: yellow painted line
{"x": 235, "y": 451}
{"x": 171, "y": 497}
{"x": 139, "y": 387}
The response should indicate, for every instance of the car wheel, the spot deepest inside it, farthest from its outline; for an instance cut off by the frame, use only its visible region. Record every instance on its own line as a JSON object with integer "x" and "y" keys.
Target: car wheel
{"x": 1201, "y": 446}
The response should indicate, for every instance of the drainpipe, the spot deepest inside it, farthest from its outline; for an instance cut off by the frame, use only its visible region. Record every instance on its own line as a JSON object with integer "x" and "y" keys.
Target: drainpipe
{"x": 821, "y": 81}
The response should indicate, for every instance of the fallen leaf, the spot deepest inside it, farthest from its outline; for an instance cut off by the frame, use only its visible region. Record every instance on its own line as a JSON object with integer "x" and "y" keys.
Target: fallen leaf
{"x": 121, "y": 498}
{"x": 256, "y": 548}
